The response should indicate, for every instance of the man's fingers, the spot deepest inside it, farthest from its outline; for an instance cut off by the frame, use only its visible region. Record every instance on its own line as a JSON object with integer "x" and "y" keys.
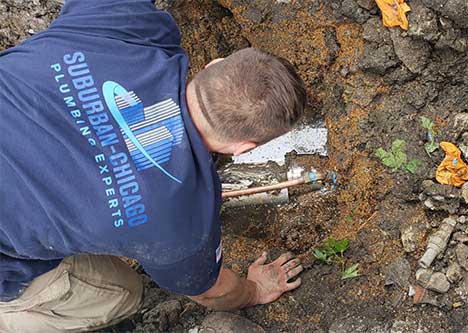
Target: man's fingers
{"x": 293, "y": 285}
{"x": 293, "y": 272}
{"x": 284, "y": 258}
{"x": 261, "y": 260}
{"x": 291, "y": 264}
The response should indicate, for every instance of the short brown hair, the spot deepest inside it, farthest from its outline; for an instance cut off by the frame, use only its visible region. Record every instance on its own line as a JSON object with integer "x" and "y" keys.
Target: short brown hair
{"x": 250, "y": 95}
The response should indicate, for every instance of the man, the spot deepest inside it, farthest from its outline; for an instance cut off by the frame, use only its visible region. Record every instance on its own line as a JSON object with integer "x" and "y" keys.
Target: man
{"x": 105, "y": 152}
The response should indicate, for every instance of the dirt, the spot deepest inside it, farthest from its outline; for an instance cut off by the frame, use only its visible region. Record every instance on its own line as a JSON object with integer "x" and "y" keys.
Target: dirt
{"x": 370, "y": 85}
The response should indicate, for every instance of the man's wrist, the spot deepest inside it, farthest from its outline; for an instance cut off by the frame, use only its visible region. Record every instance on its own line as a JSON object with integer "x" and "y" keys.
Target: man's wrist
{"x": 252, "y": 290}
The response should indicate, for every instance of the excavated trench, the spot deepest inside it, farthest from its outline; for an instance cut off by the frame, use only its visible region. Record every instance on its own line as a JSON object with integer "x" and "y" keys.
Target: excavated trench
{"x": 370, "y": 85}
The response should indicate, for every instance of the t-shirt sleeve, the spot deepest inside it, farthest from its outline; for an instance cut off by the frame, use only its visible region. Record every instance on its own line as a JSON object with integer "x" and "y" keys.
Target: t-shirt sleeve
{"x": 136, "y": 21}
{"x": 191, "y": 276}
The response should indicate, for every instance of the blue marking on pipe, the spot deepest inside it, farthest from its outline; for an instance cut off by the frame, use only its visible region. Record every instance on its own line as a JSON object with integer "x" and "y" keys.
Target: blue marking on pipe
{"x": 333, "y": 178}
{"x": 313, "y": 176}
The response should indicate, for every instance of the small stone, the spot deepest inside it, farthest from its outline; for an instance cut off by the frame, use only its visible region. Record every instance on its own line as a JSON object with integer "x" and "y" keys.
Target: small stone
{"x": 377, "y": 58}
{"x": 457, "y": 305}
{"x": 426, "y": 184}
{"x": 464, "y": 193}
{"x": 226, "y": 322}
{"x": 411, "y": 291}
{"x": 464, "y": 150}
{"x": 454, "y": 273}
{"x": 462, "y": 219}
{"x": 462, "y": 255}
{"x": 166, "y": 314}
{"x": 412, "y": 235}
{"x": 435, "y": 281}
{"x": 422, "y": 22}
{"x": 398, "y": 272}
{"x": 424, "y": 296}
{"x": 460, "y": 237}
{"x": 367, "y": 4}
{"x": 414, "y": 54}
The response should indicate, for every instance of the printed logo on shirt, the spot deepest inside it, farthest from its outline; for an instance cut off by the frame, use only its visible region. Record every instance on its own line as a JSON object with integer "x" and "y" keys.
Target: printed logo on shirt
{"x": 151, "y": 132}
{"x": 219, "y": 251}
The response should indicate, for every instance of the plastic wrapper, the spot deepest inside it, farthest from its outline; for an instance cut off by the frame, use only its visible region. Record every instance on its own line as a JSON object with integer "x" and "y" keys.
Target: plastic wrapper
{"x": 394, "y": 13}
{"x": 453, "y": 170}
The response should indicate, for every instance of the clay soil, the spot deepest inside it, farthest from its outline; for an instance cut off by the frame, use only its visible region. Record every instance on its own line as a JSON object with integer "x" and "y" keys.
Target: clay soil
{"x": 370, "y": 85}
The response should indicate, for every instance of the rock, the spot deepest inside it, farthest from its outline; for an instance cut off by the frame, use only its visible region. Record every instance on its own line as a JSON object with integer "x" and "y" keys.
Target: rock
{"x": 435, "y": 281}
{"x": 461, "y": 122}
{"x": 462, "y": 290}
{"x": 464, "y": 191}
{"x": 352, "y": 10}
{"x": 411, "y": 236}
{"x": 422, "y": 22}
{"x": 425, "y": 296}
{"x": 440, "y": 197}
{"x": 464, "y": 149}
{"x": 457, "y": 11}
{"x": 454, "y": 273}
{"x": 460, "y": 237}
{"x": 451, "y": 37}
{"x": 400, "y": 74}
{"x": 398, "y": 273}
{"x": 367, "y": 4}
{"x": 462, "y": 255}
{"x": 377, "y": 58}
{"x": 414, "y": 54}
{"x": 166, "y": 314}
{"x": 226, "y": 322}
{"x": 374, "y": 31}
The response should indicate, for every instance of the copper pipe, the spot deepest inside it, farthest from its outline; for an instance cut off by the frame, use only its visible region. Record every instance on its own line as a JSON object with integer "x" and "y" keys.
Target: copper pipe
{"x": 260, "y": 189}
{"x": 305, "y": 179}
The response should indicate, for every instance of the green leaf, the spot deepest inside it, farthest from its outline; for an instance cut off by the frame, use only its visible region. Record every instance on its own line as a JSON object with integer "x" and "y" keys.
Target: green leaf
{"x": 381, "y": 153}
{"x": 350, "y": 272}
{"x": 431, "y": 147}
{"x": 412, "y": 166}
{"x": 341, "y": 246}
{"x": 427, "y": 123}
{"x": 398, "y": 146}
{"x": 320, "y": 256}
{"x": 400, "y": 159}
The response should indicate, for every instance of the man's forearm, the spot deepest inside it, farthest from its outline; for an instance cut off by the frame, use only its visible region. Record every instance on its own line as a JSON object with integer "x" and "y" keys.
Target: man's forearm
{"x": 229, "y": 293}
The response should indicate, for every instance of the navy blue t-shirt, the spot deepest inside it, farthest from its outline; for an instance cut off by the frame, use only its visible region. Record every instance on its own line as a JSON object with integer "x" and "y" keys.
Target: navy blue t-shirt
{"x": 98, "y": 152}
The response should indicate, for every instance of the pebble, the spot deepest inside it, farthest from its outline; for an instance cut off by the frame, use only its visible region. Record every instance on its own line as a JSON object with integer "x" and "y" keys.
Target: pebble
{"x": 462, "y": 255}
{"x": 464, "y": 191}
{"x": 398, "y": 273}
{"x": 457, "y": 305}
{"x": 454, "y": 273}
{"x": 435, "y": 281}
{"x": 226, "y": 322}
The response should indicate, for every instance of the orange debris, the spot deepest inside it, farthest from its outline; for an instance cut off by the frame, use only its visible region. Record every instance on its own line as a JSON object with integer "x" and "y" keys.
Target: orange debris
{"x": 394, "y": 13}
{"x": 453, "y": 170}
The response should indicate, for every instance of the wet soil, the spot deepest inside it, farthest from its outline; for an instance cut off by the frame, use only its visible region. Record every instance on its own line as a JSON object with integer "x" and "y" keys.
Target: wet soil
{"x": 370, "y": 85}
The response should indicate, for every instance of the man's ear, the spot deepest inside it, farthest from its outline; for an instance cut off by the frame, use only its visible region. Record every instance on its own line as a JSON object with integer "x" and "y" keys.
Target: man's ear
{"x": 214, "y": 61}
{"x": 243, "y": 147}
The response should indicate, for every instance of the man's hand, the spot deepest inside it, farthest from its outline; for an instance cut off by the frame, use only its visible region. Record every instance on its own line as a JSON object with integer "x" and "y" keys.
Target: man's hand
{"x": 264, "y": 284}
{"x": 272, "y": 279}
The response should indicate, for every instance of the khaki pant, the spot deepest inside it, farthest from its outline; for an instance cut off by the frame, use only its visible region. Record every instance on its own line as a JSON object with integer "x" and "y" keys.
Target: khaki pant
{"x": 85, "y": 292}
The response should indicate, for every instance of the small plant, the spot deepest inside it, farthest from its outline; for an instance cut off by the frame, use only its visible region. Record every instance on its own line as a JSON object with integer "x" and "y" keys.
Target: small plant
{"x": 350, "y": 272}
{"x": 396, "y": 158}
{"x": 331, "y": 252}
{"x": 431, "y": 145}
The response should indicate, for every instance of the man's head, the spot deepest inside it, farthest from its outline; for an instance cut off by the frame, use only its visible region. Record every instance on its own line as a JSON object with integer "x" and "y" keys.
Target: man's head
{"x": 245, "y": 100}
